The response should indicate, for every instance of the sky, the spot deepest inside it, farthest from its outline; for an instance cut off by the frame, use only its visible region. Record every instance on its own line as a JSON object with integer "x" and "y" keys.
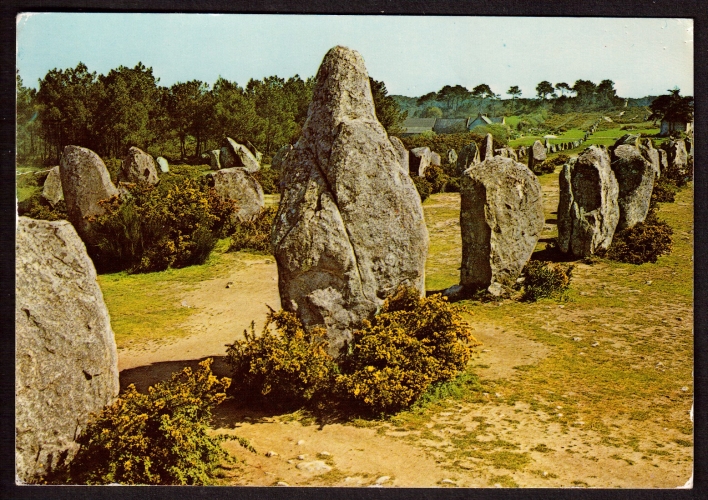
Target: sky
{"x": 413, "y": 55}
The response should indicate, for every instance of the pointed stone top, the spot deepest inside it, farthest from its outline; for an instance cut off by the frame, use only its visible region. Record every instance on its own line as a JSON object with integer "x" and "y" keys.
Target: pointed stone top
{"x": 342, "y": 90}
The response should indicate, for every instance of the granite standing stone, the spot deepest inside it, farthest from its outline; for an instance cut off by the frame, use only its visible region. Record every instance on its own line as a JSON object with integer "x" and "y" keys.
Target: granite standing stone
{"x": 635, "y": 177}
{"x": 163, "y": 164}
{"x": 588, "y": 211}
{"x": 537, "y": 154}
{"x": 469, "y": 155}
{"x": 501, "y": 219}
{"x": 214, "y": 161}
{"x": 403, "y": 155}
{"x": 237, "y": 184}
{"x": 138, "y": 166}
{"x": 349, "y": 229}
{"x": 234, "y": 154}
{"x": 66, "y": 365}
{"x": 52, "y": 191}
{"x": 85, "y": 181}
{"x": 419, "y": 160}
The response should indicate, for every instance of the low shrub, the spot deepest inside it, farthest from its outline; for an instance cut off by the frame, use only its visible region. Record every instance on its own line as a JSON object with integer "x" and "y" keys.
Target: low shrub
{"x": 269, "y": 179}
{"x": 423, "y": 187}
{"x": 159, "y": 227}
{"x": 644, "y": 242}
{"x": 549, "y": 165}
{"x": 161, "y": 437}
{"x": 391, "y": 361}
{"x": 546, "y": 279}
{"x": 36, "y": 207}
{"x": 664, "y": 191}
{"x": 113, "y": 165}
{"x": 437, "y": 178}
{"x": 412, "y": 343}
{"x": 287, "y": 363}
{"x": 254, "y": 234}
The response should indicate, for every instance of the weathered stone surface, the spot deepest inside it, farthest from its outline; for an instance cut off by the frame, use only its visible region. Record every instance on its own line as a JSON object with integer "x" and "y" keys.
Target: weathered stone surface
{"x": 163, "y": 164}
{"x": 214, "y": 159}
{"x": 234, "y": 154}
{"x": 403, "y": 155}
{"x": 522, "y": 151}
{"x": 85, "y": 181}
{"x": 435, "y": 159}
{"x": 663, "y": 160}
{"x": 588, "y": 210}
{"x": 277, "y": 161}
{"x": 635, "y": 177}
{"x": 52, "y": 191}
{"x": 677, "y": 156}
{"x": 452, "y": 157}
{"x": 537, "y": 154}
{"x": 138, "y": 166}
{"x": 256, "y": 154}
{"x": 469, "y": 155}
{"x": 652, "y": 156}
{"x": 628, "y": 140}
{"x": 419, "y": 160}
{"x": 487, "y": 150}
{"x": 501, "y": 219}
{"x": 65, "y": 353}
{"x": 236, "y": 184}
{"x": 350, "y": 227}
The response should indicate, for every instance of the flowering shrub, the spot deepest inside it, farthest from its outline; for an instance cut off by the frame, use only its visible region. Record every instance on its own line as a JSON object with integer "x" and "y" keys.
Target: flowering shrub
{"x": 156, "y": 438}
{"x": 643, "y": 242}
{"x": 153, "y": 228}
{"x": 286, "y": 362}
{"x": 412, "y": 343}
{"x": 254, "y": 234}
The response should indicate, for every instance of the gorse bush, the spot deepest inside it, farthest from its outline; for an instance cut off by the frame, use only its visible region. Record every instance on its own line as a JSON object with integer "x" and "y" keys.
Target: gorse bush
{"x": 412, "y": 343}
{"x": 423, "y": 187}
{"x": 254, "y": 234}
{"x": 153, "y": 228}
{"x": 269, "y": 179}
{"x": 286, "y": 363}
{"x": 644, "y": 242}
{"x": 161, "y": 437}
{"x": 546, "y": 279}
{"x": 549, "y": 165}
{"x": 36, "y": 207}
{"x": 664, "y": 191}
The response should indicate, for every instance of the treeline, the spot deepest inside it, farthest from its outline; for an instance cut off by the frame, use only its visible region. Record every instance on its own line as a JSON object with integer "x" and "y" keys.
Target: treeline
{"x": 127, "y": 107}
{"x": 458, "y": 101}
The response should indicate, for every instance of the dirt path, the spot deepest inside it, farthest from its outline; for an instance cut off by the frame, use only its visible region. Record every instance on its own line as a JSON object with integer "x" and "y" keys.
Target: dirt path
{"x": 222, "y": 315}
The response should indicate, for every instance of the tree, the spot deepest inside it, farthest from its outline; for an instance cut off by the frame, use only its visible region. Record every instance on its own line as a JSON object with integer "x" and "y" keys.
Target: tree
{"x": 563, "y": 87}
{"x": 515, "y": 92}
{"x": 188, "y": 112}
{"x": 482, "y": 92}
{"x": 544, "y": 89}
{"x": 387, "y": 110}
{"x": 430, "y": 97}
{"x": 28, "y": 139}
{"x": 585, "y": 91}
{"x": 453, "y": 96}
{"x": 672, "y": 107}
{"x": 432, "y": 112}
{"x": 68, "y": 104}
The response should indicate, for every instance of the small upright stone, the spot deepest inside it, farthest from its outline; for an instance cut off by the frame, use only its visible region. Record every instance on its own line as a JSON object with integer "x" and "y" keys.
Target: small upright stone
{"x": 163, "y": 164}
{"x": 234, "y": 154}
{"x": 588, "y": 210}
{"x": 628, "y": 140}
{"x": 487, "y": 150}
{"x": 677, "y": 156}
{"x": 652, "y": 156}
{"x": 452, "y": 157}
{"x": 66, "y": 365}
{"x": 435, "y": 159}
{"x": 469, "y": 155}
{"x": 138, "y": 166}
{"x": 52, "y": 191}
{"x": 501, "y": 219}
{"x": 419, "y": 161}
{"x": 635, "y": 178}
{"x": 537, "y": 154}
{"x": 214, "y": 161}
{"x": 403, "y": 155}
{"x": 85, "y": 181}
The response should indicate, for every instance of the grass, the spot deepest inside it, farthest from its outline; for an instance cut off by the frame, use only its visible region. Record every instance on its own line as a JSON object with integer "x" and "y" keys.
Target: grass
{"x": 146, "y": 307}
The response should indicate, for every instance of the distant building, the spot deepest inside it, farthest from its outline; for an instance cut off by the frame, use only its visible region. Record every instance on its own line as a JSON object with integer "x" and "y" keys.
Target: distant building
{"x": 415, "y": 126}
{"x": 485, "y": 120}
{"x": 667, "y": 127}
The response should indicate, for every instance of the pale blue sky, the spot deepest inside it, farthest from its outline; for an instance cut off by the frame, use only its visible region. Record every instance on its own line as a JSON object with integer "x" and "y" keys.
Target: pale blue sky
{"x": 412, "y": 55}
